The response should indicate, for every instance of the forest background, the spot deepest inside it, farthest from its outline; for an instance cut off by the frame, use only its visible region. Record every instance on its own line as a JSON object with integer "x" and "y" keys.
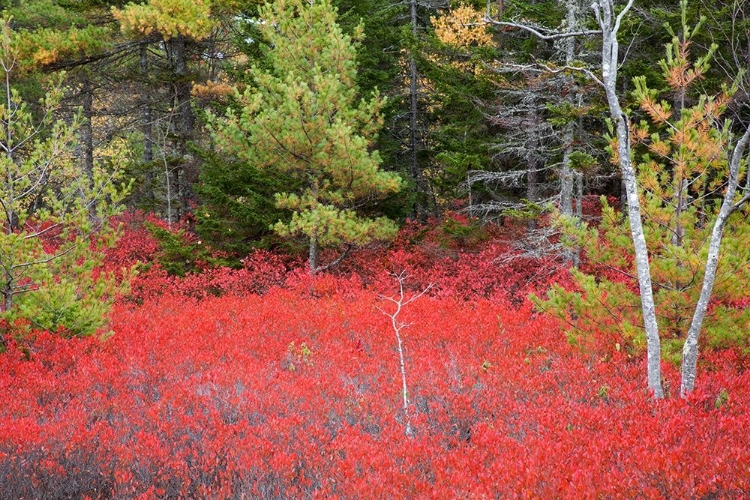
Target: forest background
{"x": 481, "y": 159}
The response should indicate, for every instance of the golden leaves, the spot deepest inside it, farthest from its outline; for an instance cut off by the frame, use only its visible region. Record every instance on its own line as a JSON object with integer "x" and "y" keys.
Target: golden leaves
{"x": 463, "y": 26}
{"x": 212, "y": 90}
{"x": 614, "y": 147}
{"x": 679, "y": 74}
{"x": 169, "y": 18}
{"x": 658, "y": 112}
{"x": 659, "y": 147}
{"x": 45, "y": 56}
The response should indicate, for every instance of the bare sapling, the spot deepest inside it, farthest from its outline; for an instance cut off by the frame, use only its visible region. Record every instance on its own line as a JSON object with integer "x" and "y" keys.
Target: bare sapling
{"x": 401, "y": 301}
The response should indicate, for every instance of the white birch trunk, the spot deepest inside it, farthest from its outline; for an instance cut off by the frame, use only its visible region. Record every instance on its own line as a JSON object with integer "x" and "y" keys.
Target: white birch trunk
{"x": 609, "y": 22}
{"x": 728, "y": 206}
{"x": 566, "y": 176}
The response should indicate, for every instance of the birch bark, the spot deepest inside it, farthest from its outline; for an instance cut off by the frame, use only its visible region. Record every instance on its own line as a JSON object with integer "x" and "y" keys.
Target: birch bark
{"x": 609, "y": 23}
{"x": 728, "y": 206}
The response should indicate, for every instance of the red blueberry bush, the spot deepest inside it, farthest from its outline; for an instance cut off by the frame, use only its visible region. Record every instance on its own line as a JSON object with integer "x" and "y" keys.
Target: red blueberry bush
{"x": 264, "y": 382}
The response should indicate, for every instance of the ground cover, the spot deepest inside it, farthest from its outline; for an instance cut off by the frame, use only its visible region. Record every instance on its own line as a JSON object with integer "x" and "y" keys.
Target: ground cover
{"x": 271, "y": 383}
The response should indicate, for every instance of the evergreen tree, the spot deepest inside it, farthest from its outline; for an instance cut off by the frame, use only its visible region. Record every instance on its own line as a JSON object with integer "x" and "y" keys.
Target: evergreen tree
{"x": 301, "y": 117}
{"x": 455, "y": 62}
{"x": 237, "y": 204}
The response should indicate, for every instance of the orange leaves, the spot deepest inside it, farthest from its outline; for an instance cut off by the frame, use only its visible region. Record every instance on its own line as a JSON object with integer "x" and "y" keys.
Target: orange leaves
{"x": 682, "y": 74}
{"x": 462, "y": 27}
{"x": 659, "y": 112}
{"x": 659, "y": 148}
{"x": 212, "y": 90}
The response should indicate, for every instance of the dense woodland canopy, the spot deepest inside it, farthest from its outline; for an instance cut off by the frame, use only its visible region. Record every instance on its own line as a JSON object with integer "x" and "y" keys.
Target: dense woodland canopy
{"x": 376, "y": 247}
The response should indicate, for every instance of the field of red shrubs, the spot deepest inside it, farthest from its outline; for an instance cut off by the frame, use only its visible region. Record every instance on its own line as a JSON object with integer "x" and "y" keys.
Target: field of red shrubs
{"x": 264, "y": 382}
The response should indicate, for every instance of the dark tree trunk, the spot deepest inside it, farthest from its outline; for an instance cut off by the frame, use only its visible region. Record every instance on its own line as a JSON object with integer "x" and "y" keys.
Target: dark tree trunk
{"x": 87, "y": 131}
{"x": 184, "y": 119}
{"x": 148, "y": 132}
{"x": 420, "y": 210}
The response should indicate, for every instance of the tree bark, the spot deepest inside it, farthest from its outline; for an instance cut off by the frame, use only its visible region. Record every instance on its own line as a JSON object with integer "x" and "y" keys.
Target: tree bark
{"x": 86, "y": 131}
{"x": 8, "y": 291}
{"x": 579, "y": 215}
{"x": 148, "y": 133}
{"x": 566, "y": 175}
{"x": 609, "y": 23}
{"x": 414, "y": 170}
{"x": 728, "y": 206}
{"x": 313, "y": 257}
{"x": 680, "y": 206}
{"x": 533, "y": 167}
{"x": 185, "y": 120}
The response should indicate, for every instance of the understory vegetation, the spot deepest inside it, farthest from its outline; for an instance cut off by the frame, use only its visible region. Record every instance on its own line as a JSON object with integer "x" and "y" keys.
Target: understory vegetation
{"x": 389, "y": 249}
{"x": 268, "y": 382}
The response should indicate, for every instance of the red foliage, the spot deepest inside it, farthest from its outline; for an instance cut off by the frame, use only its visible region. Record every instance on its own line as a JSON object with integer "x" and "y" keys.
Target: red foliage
{"x": 425, "y": 252}
{"x": 138, "y": 247}
{"x": 297, "y": 393}
{"x": 288, "y": 385}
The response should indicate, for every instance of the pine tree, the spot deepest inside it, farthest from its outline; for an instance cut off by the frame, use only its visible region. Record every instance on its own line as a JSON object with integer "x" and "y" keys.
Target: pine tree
{"x": 302, "y": 118}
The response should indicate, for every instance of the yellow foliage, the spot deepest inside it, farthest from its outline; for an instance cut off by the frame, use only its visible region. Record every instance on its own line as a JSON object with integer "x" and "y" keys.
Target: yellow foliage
{"x": 614, "y": 157}
{"x": 45, "y": 56}
{"x": 655, "y": 110}
{"x": 212, "y": 90}
{"x": 660, "y": 148}
{"x": 463, "y": 26}
{"x": 169, "y": 18}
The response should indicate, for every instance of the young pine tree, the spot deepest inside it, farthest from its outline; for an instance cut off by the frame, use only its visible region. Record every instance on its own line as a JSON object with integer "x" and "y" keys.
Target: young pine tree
{"x": 683, "y": 172}
{"x": 301, "y": 117}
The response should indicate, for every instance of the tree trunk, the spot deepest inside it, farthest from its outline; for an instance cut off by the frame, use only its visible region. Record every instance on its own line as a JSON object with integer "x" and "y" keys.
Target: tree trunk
{"x": 87, "y": 131}
{"x": 533, "y": 167}
{"x": 690, "y": 349}
{"x": 414, "y": 170}
{"x": 313, "y": 258}
{"x": 609, "y": 23}
{"x": 185, "y": 120}
{"x": 579, "y": 215}
{"x": 567, "y": 176}
{"x": 148, "y": 133}
{"x": 8, "y": 294}
{"x": 680, "y": 206}
{"x": 532, "y": 187}
{"x": 7, "y": 306}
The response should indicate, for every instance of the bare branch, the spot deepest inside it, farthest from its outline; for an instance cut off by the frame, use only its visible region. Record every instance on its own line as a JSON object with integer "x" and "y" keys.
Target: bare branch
{"x": 536, "y": 31}
{"x": 545, "y": 68}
